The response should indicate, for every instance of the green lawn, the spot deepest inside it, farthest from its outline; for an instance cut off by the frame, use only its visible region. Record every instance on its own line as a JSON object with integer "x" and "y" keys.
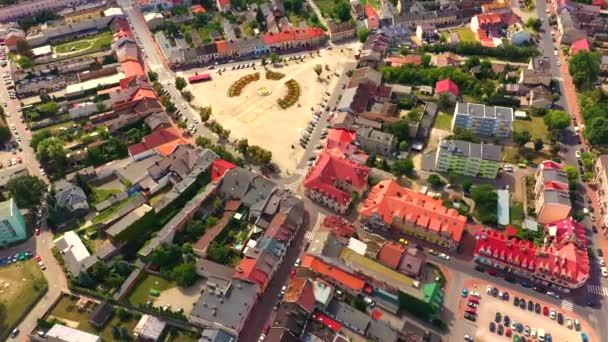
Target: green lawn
{"x": 141, "y": 293}
{"x": 66, "y": 310}
{"x": 26, "y": 283}
{"x": 536, "y": 126}
{"x": 443, "y": 121}
{"x": 515, "y": 213}
{"x": 517, "y": 155}
{"x": 102, "y": 216}
{"x": 99, "y": 195}
{"x": 101, "y": 40}
{"x": 465, "y": 34}
{"x": 177, "y": 335}
{"x": 326, "y": 6}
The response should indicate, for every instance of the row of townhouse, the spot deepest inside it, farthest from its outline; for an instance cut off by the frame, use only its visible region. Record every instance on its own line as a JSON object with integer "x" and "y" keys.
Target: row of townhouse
{"x": 179, "y": 54}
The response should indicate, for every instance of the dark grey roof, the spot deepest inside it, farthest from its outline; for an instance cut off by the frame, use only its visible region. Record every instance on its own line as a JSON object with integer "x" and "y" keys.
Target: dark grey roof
{"x": 258, "y": 193}
{"x": 216, "y": 335}
{"x": 465, "y": 148}
{"x": 428, "y": 118}
{"x": 229, "y": 309}
{"x": 554, "y": 196}
{"x": 381, "y": 332}
{"x": 207, "y": 269}
{"x": 480, "y": 110}
{"x": 100, "y": 316}
{"x": 555, "y": 176}
{"x": 157, "y": 120}
{"x": 348, "y": 316}
{"x": 291, "y": 317}
{"x": 235, "y": 183}
{"x": 375, "y": 135}
{"x": 324, "y": 244}
{"x": 70, "y": 196}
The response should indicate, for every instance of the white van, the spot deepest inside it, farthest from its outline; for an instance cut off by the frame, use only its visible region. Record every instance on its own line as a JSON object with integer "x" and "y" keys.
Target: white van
{"x": 541, "y": 335}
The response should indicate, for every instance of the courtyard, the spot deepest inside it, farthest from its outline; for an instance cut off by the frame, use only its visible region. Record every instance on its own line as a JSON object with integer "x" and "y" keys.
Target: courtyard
{"x": 98, "y": 41}
{"x": 255, "y": 114}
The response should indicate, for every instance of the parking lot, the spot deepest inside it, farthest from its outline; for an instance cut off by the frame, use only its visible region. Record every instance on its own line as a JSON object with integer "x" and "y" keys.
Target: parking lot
{"x": 497, "y": 318}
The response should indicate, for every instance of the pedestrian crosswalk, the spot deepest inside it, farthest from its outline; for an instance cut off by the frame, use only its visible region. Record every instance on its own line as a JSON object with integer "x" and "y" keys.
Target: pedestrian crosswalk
{"x": 309, "y": 235}
{"x": 567, "y": 305}
{"x": 598, "y": 290}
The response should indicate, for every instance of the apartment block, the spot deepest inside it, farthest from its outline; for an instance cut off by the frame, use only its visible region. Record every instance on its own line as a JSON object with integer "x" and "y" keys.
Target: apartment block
{"x": 483, "y": 120}
{"x": 601, "y": 182}
{"x": 470, "y": 159}
{"x": 12, "y": 223}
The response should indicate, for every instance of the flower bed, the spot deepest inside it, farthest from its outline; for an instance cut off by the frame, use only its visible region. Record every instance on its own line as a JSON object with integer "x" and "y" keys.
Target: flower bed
{"x": 237, "y": 87}
{"x": 293, "y": 94}
{"x": 273, "y": 75}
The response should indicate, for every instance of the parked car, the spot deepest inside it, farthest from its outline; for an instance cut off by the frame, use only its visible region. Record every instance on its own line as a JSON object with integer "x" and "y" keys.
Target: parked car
{"x": 472, "y": 305}
{"x": 470, "y": 317}
{"x": 537, "y": 308}
{"x": 500, "y": 330}
{"x": 516, "y": 301}
{"x": 530, "y": 305}
{"x": 492, "y": 327}
{"x": 498, "y": 317}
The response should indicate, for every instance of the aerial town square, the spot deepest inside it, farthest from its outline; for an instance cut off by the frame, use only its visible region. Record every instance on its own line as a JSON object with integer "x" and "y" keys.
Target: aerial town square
{"x": 303, "y": 170}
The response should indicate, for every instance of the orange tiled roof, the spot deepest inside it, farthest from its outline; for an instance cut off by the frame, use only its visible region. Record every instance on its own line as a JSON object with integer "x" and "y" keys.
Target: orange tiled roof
{"x": 341, "y": 277}
{"x": 221, "y": 46}
{"x": 132, "y": 68}
{"x": 389, "y": 200}
{"x": 168, "y": 148}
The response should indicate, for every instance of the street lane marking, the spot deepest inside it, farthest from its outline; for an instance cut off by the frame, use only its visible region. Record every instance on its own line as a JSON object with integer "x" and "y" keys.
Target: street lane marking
{"x": 598, "y": 290}
{"x": 567, "y": 305}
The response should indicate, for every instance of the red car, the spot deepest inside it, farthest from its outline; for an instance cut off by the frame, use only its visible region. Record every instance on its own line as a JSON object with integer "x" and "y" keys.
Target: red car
{"x": 492, "y": 272}
{"x": 38, "y": 258}
{"x": 293, "y": 271}
{"x": 19, "y": 160}
{"x": 474, "y": 300}
{"x": 545, "y": 311}
{"x": 508, "y": 332}
{"x": 471, "y": 311}
{"x": 37, "y": 232}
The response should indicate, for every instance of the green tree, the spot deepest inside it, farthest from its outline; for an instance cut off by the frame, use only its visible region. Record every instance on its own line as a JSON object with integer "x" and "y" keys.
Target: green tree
{"x": 101, "y": 107}
{"x": 152, "y": 76}
{"x": 180, "y": 83}
{"x": 362, "y": 34}
{"x": 274, "y": 58}
{"x": 27, "y": 191}
{"x": 23, "y": 48}
{"x": 485, "y": 198}
{"x": 187, "y": 95}
{"x": 342, "y": 11}
{"x": 203, "y": 142}
{"x": 25, "y": 62}
{"x": 596, "y": 131}
{"x": 444, "y": 102}
{"x": 48, "y": 109}
{"x": 588, "y": 160}
{"x": 557, "y": 121}
{"x": 435, "y": 180}
{"x": 5, "y": 134}
{"x": 571, "y": 171}
{"x": 403, "y": 146}
{"x": 195, "y": 229}
{"x": 534, "y": 23}
{"x": 585, "y": 68}
{"x": 242, "y": 145}
{"x": 51, "y": 150}
{"x": 403, "y": 167}
{"x": 467, "y": 184}
{"x": 318, "y": 69}
{"x": 538, "y": 144}
{"x": 182, "y": 124}
{"x": 167, "y": 256}
{"x": 522, "y": 138}
{"x": 205, "y": 113}
{"x": 185, "y": 274}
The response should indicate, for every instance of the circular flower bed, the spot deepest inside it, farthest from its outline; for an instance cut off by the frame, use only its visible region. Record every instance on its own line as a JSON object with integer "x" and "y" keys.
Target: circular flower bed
{"x": 293, "y": 94}
{"x": 264, "y": 91}
{"x": 273, "y": 75}
{"x": 237, "y": 87}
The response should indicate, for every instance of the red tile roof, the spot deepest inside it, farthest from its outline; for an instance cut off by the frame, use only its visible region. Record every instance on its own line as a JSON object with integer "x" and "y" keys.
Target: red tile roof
{"x": 372, "y": 18}
{"x": 580, "y": 45}
{"x": 550, "y": 164}
{"x": 248, "y": 270}
{"x": 132, "y": 68}
{"x": 223, "y": 3}
{"x": 446, "y": 85}
{"x": 219, "y": 168}
{"x": 153, "y": 140}
{"x": 390, "y": 254}
{"x": 330, "y": 169}
{"x": 602, "y": 3}
{"x": 564, "y": 256}
{"x": 489, "y": 19}
{"x": 341, "y": 140}
{"x": 389, "y": 200}
{"x": 168, "y": 148}
{"x": 306, "y": 33}
{"x": 409, "y": 59}
{"x": 326, "y": 321}
{"x": 197, "y": 9}
{"x": 222, "y": 46}
{"x": 340, "y": 277}
{"x": 339, "y": 226}
{"x": 300, "y": 291}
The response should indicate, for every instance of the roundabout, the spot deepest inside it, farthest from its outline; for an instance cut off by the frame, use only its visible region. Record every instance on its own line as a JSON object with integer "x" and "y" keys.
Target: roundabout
{"x": 264, "y": 91}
